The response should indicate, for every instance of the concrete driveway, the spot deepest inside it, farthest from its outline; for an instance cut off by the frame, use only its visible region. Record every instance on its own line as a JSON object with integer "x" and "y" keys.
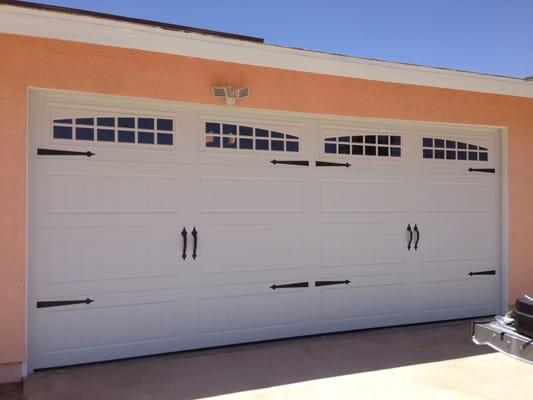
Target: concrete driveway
{"x": 433, "y": 361}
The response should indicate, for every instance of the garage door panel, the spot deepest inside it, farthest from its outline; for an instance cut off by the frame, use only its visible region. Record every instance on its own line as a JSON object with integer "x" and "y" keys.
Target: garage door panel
{"x": 364, "y": 302}
{"x": 362, "y": 245}
{"x": 456, "y": 197}
{"x": 251, "y": 312}
{"x": 363, "y": 196}
{"x": 356, "y": 301}
{"x": 220, "y": 315}
{"x": 444, "y": 241}
{"x": 104, "y": 326}
{"x": 94, "y": 194}
{"x": 457, "y": 294}
{"x": 110, "y": 327}
{"x": 85, "y": 257}
{"x": 252, "y": 248}
{"x": 246, "y": 195}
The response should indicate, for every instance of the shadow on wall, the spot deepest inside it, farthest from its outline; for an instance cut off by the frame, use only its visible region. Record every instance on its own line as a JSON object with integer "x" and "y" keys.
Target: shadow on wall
{"x": 203, "y": 373}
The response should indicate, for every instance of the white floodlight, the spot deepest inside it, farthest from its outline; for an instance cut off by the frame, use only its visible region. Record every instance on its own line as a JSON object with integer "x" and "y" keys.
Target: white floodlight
{"x": 231, "y": 95}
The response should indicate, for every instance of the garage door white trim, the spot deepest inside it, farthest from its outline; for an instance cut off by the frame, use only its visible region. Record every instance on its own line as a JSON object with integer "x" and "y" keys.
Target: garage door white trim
{"x": 280, "y": 118}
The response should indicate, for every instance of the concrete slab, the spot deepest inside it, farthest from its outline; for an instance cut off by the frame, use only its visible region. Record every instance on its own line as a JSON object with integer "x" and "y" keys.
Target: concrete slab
{"x": 11, "y": 391}
{"x": 489, "y": 376}
{"x": 434, "y": 361}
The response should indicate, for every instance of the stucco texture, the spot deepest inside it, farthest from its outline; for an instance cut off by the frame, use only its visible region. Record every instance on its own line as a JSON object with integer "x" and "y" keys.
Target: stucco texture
{"x": 36, "y": 62}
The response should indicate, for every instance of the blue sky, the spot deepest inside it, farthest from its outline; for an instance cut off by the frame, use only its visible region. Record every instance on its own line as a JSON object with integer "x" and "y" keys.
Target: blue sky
{"x": 489, "y": 36}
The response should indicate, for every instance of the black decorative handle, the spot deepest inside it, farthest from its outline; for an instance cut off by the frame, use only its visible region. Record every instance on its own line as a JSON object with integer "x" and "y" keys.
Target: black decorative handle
{"x": 58, "y": 303}
{"x": 331, "y": 164}
{"x": 415, "y": 228}
{"x": 290, "y": 285}
{"x": 410, "y": 236}
{"x": 490, "y": 272}
{"x": 53, "y": 152}
{"x": 291, "y": 162}
{"x": 194, "y": 234}
{"x": 328, "y": 283}
{"x": 487, "y": 170}
{"x": 184, "y": 235}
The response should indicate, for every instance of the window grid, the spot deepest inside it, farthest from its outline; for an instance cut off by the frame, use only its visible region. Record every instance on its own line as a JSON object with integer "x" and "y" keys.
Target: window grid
{"x": 136, "y": 130}
{"x": 445, "y": 149}
{"x": 364, "y": 145}
{"x": 245, "y": 137}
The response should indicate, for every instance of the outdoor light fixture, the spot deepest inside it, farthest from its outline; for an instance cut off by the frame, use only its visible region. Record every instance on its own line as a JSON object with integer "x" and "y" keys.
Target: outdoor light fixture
{"x": 231, "y": 95}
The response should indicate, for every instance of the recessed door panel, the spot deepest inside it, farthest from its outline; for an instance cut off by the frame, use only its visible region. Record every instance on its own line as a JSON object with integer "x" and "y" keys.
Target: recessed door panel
{"x": 466, "y": 240}
{"x": 248, "y": 312}
{"x": 363, "y": 196}
{"x": 113, "y": 326}
{"x": 359, "y": 302}
{"x": 93, "y": 193}
{"x": 251, "y": 248}
{"x": 353, "y": 302}
{"x": 457, "y": 294}
{"x": 97, "y": 259}
{"x": 251, "y": 195}
{"x": 364, "y": 247}
{"x": 456, "y": 197}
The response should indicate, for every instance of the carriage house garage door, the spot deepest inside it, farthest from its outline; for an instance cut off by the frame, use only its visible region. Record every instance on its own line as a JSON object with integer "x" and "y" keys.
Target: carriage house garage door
{"x": 190, "y": 226}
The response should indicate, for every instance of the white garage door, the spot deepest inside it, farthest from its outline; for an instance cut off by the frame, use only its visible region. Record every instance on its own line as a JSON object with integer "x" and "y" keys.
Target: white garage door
{"x": 189, "y": 226}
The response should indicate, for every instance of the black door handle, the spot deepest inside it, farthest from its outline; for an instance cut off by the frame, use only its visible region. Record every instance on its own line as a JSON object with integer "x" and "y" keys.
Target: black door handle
{"x": 417, "y": 236}
{"x": 184, "y": 235}
{"x": 410, "y": 236}
{"x": 291, "y": 162}
{"x": 194, "y": 234}
{"x": 332, "y": 164}
{"x": 328, "y": 283}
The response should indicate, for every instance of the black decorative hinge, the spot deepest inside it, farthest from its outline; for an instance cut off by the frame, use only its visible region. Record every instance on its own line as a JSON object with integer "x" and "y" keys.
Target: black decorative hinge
{"x": 327, "y": 283}
{"x": 491, "y": 272}
{"x": 332, "y": 164}
{"x": 487, "y": 170}
{"x": 290, "y": 285}
{"x": 291, "y": 162}
{"x": 54, "y": 152}
{"x": 58, "y": 303}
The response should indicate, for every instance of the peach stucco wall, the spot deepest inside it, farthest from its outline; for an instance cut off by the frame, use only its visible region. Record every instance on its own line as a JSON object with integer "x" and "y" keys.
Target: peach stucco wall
{"x": 34, "y": 62}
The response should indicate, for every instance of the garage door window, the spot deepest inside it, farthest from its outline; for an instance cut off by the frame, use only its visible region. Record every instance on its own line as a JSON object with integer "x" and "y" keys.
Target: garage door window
{"x": 444, "y": 149}
{"x": 364, "y": 145}
{"x": 140, "y": 130}
{"x": 245, "y": 137}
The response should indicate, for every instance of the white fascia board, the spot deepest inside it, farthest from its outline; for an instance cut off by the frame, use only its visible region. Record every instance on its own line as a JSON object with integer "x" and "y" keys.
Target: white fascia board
{"x": 88, "y": 29}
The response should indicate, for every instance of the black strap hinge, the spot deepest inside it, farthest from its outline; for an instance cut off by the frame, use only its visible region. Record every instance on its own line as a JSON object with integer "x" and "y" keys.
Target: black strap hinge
{"x": 54, "y": 152}
{"x": 304, "y": 163}
{"x": 487, "y": 170}
{"x": 59, "y": 303}
{"x": 489, "y": 272}
{"x": 332, "y": 164}
{"x": 328, "y": 283}
{"x": 290, "y": 285}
